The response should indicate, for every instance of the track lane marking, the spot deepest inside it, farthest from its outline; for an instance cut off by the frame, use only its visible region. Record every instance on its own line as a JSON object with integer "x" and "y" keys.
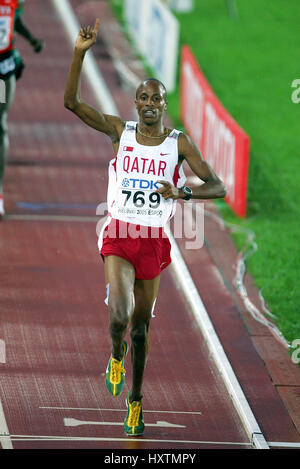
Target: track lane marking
{"x": 2, "y": 351}
{"x": 71, "y": 422}
{"x": 140, "y": 439}
{"x": 274, "y": 444}
{"x": 122, "y": 410}
{"x": 212, "y": 340}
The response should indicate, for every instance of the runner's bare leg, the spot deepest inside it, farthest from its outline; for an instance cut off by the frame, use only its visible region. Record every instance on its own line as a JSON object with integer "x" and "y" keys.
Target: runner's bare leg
{"x": 145, "y": 292}
{"x": 10, "y": 86}
{"x": 120, "y": 275}
{"x": 131, "y": 300}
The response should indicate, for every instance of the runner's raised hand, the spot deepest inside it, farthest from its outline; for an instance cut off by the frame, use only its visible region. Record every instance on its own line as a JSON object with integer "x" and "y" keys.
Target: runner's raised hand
{"x": 87, "y": 37}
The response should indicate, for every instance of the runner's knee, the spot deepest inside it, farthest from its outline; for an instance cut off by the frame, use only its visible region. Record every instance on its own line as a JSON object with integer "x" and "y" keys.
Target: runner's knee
{"x": 119, "y": 316}
{"x": 117, "y": 325}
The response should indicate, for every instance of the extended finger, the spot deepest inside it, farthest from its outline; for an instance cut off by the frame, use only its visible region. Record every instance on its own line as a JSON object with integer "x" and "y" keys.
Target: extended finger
{"x": 96, "y": 27}
{"x": 164, "y": 183}
{"x": 166, "y": 186}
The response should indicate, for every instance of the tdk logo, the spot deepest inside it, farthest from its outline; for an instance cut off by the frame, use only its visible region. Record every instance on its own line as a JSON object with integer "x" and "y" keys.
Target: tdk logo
{"x": 139, "y": 184}
{"x": 125, "y": 182}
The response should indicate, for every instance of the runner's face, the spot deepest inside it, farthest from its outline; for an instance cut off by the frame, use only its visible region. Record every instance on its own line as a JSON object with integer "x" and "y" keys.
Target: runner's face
{"x": 150, "y": 103}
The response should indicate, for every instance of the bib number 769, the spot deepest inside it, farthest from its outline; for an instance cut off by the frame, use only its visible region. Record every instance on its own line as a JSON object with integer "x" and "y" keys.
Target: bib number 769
{"x": 139, "y": 198}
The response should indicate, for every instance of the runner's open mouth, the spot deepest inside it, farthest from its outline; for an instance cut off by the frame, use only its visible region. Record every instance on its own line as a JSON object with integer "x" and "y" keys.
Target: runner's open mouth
{"x": 149, "y": 113}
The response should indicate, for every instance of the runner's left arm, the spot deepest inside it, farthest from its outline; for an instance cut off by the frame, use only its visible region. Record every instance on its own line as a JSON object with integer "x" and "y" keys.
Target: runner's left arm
{"x": 211, "y": 186}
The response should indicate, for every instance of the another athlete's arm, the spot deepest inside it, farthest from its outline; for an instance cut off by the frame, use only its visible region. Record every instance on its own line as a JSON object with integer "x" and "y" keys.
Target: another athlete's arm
{"x": 110, "y": 125}
{"x": 21, "y": 28}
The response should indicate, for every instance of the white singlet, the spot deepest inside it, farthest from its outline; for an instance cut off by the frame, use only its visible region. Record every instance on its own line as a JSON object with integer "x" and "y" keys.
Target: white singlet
{"x": 133, "y": 176}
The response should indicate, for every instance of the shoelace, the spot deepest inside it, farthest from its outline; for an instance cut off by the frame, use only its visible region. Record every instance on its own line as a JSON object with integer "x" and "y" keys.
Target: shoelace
{"x": 116, "y": 370}
{"x": 134, "y": 413}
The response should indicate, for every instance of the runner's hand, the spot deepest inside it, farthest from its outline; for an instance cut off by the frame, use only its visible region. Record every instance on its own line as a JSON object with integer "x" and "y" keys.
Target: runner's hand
{"x": 87, "y": 37}
{"x": 168, "y": 191}
{"x": 37, "y": 45}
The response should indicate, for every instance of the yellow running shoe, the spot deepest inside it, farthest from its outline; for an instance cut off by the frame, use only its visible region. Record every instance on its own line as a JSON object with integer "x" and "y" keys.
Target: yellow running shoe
{"x": 115, "y": 373}
{"x": 133, "y": 423}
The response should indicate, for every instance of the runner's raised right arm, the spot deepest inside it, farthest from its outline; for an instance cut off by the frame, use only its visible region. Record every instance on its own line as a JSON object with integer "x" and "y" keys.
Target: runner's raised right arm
{"x": 110, "y": 125}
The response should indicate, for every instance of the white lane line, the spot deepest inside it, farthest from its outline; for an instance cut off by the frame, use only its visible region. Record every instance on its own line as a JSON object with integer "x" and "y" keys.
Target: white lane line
{"x": 127, "y": 439}
{"x": 233, "y": 386}
{"x": 234, "y": 389}
{"x": 121, "y": 410}
{"x": 283, "y": 444}
{"x": 2, "y": 351}
{"x": 70, "y": 422}
{"x": 279, "y": 444}
{"x": 5, "y": 438}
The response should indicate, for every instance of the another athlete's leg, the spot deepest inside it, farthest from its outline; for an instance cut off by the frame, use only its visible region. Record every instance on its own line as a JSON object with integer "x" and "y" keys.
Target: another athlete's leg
{"x": 145, "y": 293}
{"x": 10, "y": 87}
{"x": 120, "y": 275}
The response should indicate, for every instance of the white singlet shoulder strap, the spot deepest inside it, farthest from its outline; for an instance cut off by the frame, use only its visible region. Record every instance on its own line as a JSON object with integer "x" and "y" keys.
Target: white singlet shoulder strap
{"x": 174, "y": 134}
{"x": 130, "y": 125}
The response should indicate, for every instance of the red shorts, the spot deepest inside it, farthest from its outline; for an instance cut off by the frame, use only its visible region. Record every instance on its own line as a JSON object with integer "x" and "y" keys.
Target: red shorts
{"x": 148, "y": 249}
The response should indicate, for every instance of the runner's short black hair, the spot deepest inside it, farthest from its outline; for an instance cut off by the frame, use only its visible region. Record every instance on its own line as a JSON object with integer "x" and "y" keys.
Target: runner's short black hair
{"x": 156, "y": 81}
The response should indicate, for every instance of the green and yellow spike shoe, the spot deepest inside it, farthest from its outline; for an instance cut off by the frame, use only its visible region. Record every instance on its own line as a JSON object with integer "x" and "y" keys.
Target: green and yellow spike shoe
{"x": 133, "y": 423}
{"x": 115, "y": 373}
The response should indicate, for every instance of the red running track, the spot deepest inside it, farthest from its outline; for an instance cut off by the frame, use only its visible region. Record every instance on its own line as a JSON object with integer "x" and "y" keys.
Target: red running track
{"x": 54, "y": 322}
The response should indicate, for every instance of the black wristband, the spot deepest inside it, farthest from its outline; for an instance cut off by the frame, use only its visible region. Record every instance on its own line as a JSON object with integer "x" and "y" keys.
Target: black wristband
{"x": 188, "y": 193}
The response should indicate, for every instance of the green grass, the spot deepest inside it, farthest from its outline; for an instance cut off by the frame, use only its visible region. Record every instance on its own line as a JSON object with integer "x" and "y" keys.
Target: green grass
{"x": 250, "y": 63}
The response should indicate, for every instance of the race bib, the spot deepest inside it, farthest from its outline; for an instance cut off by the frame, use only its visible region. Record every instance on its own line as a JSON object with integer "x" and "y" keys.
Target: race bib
{"x": 140, "y": 204}
{"x": 5, "y": 32}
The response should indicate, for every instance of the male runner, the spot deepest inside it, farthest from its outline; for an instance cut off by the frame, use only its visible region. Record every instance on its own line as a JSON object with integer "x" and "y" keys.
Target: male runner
{"x": 11, "y": 67}
{"x": 145, "y": 180}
